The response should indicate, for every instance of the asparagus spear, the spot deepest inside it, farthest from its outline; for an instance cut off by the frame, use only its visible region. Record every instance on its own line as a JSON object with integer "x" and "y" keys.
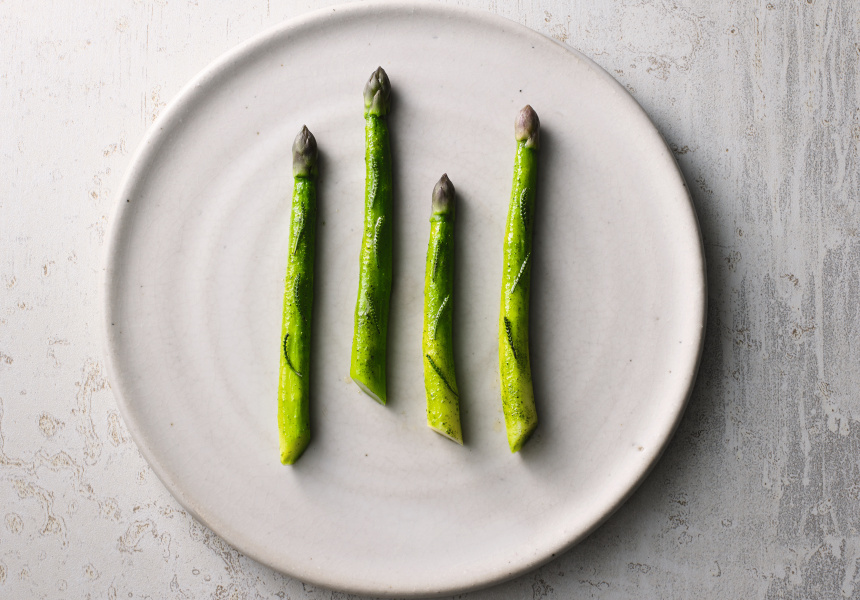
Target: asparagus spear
{"x": 443, "y": 397}
{"x": 293, "y": 410}
{"x": 370, "y": 336}
{"x": 514, "y": 365}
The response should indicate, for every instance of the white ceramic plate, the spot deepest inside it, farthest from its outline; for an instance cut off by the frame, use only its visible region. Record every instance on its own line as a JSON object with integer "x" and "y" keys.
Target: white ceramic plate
{"x": 379, "y": 504}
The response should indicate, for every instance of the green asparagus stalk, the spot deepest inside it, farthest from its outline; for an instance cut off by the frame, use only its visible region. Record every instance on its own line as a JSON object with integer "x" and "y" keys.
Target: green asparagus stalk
{"x": 293, "y": 387}
{"x": 443, "y": 397}
{"x": 370, "y": 336}
{"x": 514, "y": 364}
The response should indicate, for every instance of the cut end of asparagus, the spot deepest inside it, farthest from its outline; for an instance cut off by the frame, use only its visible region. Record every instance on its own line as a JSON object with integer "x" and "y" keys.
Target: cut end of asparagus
{"x": 451, "y": 434}
{"x": 519, "y": 434}
{"x": 369, "y": 392}
{"x": 527, "y": 127}
{"x": 293, "y": 447}
{"x": 443, "y": 197}
{"x": 377, "y": 94}
{"x": 305, "y": 154}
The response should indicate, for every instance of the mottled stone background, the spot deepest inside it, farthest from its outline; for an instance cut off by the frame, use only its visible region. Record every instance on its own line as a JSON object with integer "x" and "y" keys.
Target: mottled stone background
{"x": 757, "y": 495}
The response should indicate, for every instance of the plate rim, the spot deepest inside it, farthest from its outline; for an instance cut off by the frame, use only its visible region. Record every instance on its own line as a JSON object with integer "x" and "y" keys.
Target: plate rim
{"x": 158, "y": 132}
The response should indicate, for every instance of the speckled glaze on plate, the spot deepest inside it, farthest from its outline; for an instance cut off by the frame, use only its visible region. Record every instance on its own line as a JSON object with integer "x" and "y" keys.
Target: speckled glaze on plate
{"x": 379, "y": 504}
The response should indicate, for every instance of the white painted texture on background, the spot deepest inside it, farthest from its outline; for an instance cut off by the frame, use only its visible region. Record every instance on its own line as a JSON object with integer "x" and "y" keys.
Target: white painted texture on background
{"x": 757, "y": 496}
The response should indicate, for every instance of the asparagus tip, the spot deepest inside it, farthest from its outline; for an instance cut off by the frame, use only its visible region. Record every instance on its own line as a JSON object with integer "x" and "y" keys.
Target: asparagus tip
{"x": 377, "y": 94}
{"x": 305, "y": 154}
{"x": 527, "y": 127}
{"x": 443, "y": 197}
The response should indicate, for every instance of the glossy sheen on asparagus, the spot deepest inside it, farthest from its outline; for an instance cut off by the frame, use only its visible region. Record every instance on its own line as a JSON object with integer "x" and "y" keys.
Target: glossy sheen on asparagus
{"x": 514, "y": 363}
{"x": 293, "y": 387}
{"x": 443, "y": 397}
{"x": 370, "y": 335}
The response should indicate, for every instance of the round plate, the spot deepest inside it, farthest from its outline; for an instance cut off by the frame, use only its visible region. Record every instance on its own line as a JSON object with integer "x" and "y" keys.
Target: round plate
{"x": 380, "y": 504}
